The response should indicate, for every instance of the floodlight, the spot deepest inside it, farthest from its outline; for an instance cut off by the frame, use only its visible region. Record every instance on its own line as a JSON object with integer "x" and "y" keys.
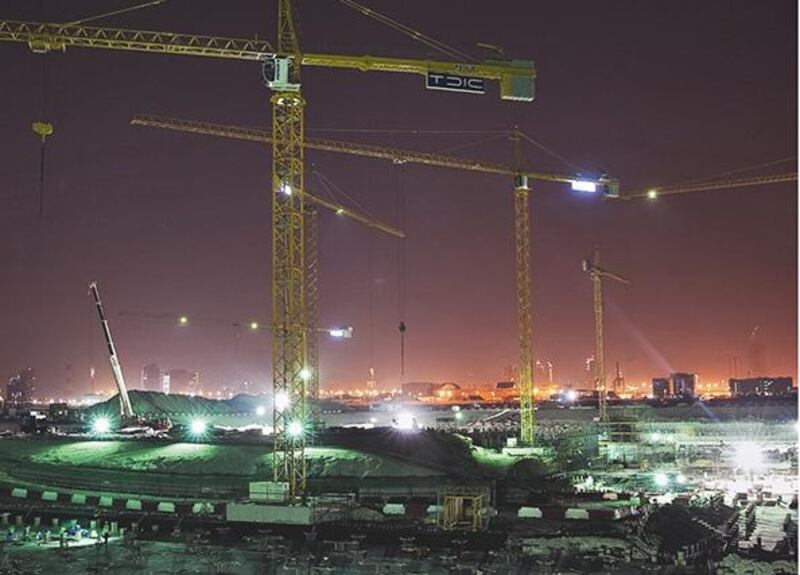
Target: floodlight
{"x": 661, "y": 479}
{"x": 749, "y": 456}
{"x": 254, "y": 325}
{"x": 281, "y": 400}
{"x": 584, "y": 186}
{"x": 305, "y": 374}
{"x": 197, "y": 427}
{"x": 295, "y": 429}
{"x": 655, "y": 437}
{"x": 101, "y": 425}
{"x": 286, "y": 188}
{"x": 183, "y": 320}
{"x": 261, "y": 410}
{"x": 405, "y": 421}
{"x": 343, "y": 332}
{"x": 571, "y": 395}
{"x": 652, "y": 194}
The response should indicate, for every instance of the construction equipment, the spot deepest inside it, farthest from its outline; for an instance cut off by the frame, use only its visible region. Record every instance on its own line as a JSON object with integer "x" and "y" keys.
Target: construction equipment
{"x": 654, "y": 193}
{"x": 596, "y": 274}
{"x": 281, "y": 71}
{"x": 126, "y": 410}
{"x": 519, "y": 176}
{"x": 43, "y": 130}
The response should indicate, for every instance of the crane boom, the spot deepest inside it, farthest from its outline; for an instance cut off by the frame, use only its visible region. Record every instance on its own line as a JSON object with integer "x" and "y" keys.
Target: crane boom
{"x": 341, "y": 147}
{"x": 515, "y": 76}
{"x": 653, "y": 193}
{"x": 124, "y": 401}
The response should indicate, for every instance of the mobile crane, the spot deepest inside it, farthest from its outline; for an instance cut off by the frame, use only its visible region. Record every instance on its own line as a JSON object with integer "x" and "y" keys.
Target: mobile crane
{"x": 126, "y": 410}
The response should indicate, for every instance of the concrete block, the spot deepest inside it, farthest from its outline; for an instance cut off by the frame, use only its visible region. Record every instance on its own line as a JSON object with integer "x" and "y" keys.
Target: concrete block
{"x": 394, "y": 509}
{"x": 277, "y": 514}
{"x": 202, "y": 508}
{"x": 165, "y": 507}
{"x": 529, "y": 513}
{"x": 575, "y": 513}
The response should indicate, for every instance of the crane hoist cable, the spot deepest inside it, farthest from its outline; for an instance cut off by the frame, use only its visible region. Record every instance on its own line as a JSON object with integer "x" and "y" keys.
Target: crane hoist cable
{"x": 409, "y": 31}
{"x": 550, "y": 152}
{"x": 115, "y": 12}
{"x": 401, "y": 268}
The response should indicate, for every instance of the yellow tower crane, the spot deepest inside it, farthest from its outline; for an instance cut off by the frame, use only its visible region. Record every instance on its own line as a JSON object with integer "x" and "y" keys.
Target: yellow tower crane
{"x": 281, "y": 70}
{"x": 596, "y": 274}
{"x": 519, "y": 176}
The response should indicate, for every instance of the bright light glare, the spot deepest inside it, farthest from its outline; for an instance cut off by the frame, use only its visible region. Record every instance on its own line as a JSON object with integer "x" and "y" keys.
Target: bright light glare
{"x": 661, "y": 479}
{"x": 281, "y": 400}
{"x": 286, "y": 189}
{"x": 459, "y": 416}
{"x": 197, "y": 427}
{"x": 655, "y": 437}
{"x": 254, "y": 325}
{"x": 295, "y": 429}
{"x": 261, "y": 410}
{"x": 405, "y": 421}
{"x": 571, "y": 395}
{"x": 305, "y": 374}
{"x": 341, "y": 332}
{"x": 749, "y": 456}
{"x": 339, "y": 211}
{"x": 183, "y": 320}
{"x": 584, "y": 186}
{"x": 101, "y": 425}
{"x": 681, "y": 479}
{"x": 373, "y": 420}
{"x": 652, "y": 194}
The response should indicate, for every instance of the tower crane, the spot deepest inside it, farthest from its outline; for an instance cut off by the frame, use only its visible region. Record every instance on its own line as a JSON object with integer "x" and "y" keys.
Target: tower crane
{"x": 521, "y": 189}
{"x": 126, "y": 410}
{"x": 281, "y": 71}
{"x": 596, "y": 274}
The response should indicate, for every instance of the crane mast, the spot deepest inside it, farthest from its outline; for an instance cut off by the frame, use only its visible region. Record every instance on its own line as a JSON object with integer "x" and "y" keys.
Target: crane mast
{"x": 596, "y": 275}
{"x": 124, "y": 401}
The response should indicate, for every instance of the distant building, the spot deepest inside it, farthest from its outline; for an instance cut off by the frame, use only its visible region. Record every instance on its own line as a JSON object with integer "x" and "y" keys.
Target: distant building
{"x": 661, "y": 388}
{"x": 151, "y": 377}
{"x": 418, "y": 389}
{"x": 678, "y": 385}
{"x": 166, "y": 384}
{"x": 21, "y": 387}
{"x": 683, "y": 384}
{"x": 444, "y": 391}
{"x": 760, "y": 386}
{"x": 183, "y": 381}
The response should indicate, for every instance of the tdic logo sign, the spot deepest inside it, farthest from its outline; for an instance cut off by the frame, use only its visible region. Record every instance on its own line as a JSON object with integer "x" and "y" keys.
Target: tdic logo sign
{"x": 453, "y": 83}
